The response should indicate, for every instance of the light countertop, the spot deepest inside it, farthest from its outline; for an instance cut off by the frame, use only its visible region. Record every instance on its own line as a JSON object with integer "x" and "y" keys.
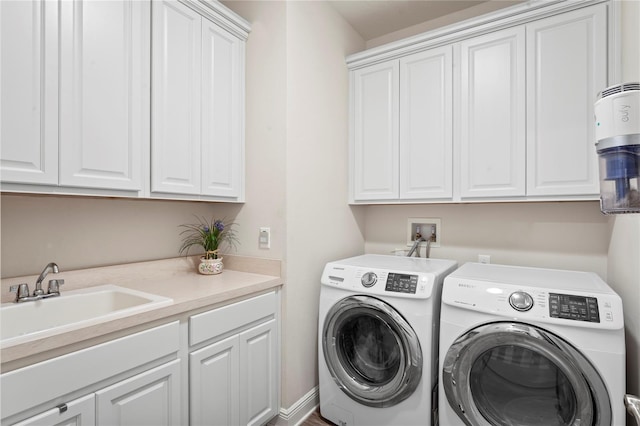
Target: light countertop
{"x": 175, "y": 278}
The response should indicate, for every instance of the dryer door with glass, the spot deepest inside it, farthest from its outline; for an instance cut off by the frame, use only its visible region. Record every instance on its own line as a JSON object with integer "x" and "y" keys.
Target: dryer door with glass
{"x": 371, "y": 351}
{"x": 509, "y": 373}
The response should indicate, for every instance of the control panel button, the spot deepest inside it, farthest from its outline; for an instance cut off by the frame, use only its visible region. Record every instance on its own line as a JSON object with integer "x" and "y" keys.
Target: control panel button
{"x": 521, "y": 301}
{"x": 369, "y": 279}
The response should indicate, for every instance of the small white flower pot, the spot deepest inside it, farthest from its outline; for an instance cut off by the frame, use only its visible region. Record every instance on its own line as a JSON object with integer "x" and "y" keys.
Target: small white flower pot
{"x": 210, "y": 266}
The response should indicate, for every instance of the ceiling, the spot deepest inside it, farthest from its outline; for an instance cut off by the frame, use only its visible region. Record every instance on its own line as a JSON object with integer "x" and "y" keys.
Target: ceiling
{"x": 375, "y": 18}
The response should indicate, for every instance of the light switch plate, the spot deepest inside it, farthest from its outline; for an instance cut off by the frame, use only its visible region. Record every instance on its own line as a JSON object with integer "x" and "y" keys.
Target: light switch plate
{"x": 264, "y": 240}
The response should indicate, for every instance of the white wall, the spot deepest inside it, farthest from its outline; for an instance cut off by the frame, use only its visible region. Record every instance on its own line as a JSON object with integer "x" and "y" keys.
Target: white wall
{"x": 624, "y": 250}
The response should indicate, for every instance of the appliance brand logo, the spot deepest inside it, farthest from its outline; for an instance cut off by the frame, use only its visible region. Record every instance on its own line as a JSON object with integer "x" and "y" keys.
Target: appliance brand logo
{"x": 465, "y": 285}
{"x": 624, "y": 112}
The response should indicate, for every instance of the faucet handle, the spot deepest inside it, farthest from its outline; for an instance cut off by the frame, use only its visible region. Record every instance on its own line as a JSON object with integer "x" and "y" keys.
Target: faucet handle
{"x": 54, "y": 286}
{"x": 21, "y": 290}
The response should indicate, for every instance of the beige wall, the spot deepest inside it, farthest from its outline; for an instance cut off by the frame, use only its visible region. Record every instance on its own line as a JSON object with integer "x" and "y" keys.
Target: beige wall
{"x": 77, "y": 232}
{"x": 320, "y": 225}
{"x": 624, "y": 250}
{"x": 480, "y": 9}
{"x": 571, "y": 235}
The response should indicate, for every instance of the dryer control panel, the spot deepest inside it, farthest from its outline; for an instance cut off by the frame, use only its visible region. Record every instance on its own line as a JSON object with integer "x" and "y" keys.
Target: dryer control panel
{"x": 522, "y": 303}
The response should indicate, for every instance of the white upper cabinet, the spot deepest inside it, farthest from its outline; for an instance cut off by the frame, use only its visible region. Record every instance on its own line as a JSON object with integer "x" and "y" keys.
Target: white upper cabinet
{"x": 79, "y": 108}
{"x": 426, "y": 125}
{"x": 29, "y": 92}
{"x": 104, "y": 93}
{"x": 198, "y": 105}
{"x": 566, "y": 68}
{"x": 402, "y": 128}
{"x": 222, "y": 112}
{"x": 492, "y": 114}
{"x": 175, "y": 152}
{"x": 496, "y": 108}
{"x": 75, "y": 93}
{"x": 375, "y": 114}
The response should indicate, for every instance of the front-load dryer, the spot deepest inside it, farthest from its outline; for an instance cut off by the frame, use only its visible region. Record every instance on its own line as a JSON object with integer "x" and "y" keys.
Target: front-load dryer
{"x": 378, "y": 337}
{"x": 529, "y": 346}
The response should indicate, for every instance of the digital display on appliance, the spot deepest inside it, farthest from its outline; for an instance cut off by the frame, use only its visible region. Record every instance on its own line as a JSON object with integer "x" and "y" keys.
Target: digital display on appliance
{"x": 573, "y": 307}
{"x": 401, "y": 283}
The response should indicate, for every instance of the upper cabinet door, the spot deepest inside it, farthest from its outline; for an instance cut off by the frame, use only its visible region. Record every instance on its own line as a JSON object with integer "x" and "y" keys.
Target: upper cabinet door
{"x": 104, "y": 93}
{"x": 375, "y": 134}
{"x": 492, "y": 115}
{"x": 426, "y": 163}
{"x": 29, "y": 92}
{"x": 222, "y": 112}
{"x": 566, "y": 68}
{"x": 175, "y": 123}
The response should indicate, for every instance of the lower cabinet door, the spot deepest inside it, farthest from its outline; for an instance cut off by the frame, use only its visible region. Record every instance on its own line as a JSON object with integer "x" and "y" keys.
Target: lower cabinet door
{"x": 213, "y": 382}
{"x": 79, "y": 412}
{"x": 151, "y": 398}
{"x": 259, "y": 374}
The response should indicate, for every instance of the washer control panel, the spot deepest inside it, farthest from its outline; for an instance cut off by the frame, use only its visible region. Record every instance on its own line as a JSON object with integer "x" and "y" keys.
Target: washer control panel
{"x": 401, "y": 283}
{"x": 569, "y": 306}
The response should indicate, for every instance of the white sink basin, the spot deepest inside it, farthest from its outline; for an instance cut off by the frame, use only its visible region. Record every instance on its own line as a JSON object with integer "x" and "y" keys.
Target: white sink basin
{"x": 22, "y": 322}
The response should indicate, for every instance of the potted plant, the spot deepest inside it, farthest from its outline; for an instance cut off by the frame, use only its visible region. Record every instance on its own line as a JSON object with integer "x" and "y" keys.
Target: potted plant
{"x": 209, "y": 235}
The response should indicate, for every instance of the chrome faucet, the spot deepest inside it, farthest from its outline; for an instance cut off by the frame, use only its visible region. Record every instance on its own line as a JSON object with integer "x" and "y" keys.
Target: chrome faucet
{"x": 51, "y": 267}
{"x": 22, "y": 290}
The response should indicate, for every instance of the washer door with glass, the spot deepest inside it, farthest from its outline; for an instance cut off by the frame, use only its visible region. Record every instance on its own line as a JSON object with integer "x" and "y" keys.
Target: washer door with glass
{"x": 505, "y": 374}
{"x": 371, "y": 351}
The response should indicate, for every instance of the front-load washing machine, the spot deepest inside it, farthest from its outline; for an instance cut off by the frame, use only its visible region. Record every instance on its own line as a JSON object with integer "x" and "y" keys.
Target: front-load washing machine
{"x": 378, "y": 337}
{"x": 529, "y": 346}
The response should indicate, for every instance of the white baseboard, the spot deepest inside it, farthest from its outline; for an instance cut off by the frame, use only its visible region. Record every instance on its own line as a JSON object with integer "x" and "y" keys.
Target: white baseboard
{"x": 298, "y": 412}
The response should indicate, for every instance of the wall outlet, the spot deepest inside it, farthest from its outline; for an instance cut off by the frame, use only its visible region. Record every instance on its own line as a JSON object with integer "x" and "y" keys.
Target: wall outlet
{"x": 427, "y": 227}
{"x": 484, "y": 258}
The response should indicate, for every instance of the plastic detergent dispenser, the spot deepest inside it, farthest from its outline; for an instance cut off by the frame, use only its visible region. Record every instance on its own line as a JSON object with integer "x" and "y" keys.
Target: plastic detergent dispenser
{"x": 617, "y": 114}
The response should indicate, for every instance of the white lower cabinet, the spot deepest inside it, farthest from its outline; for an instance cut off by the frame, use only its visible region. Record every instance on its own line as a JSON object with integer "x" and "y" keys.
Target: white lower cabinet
{"x": 120, "y": 382}
{"x": 234, "y": 380}
{"x": 79, "y": 412}
{"x": 214, "y": 380}
{"x": 151, "y": 398}
{"x": 231, "y": 354}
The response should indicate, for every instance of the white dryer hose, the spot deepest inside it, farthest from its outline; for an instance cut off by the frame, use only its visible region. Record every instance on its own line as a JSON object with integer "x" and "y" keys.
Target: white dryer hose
{"x": 633, "y": 406}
